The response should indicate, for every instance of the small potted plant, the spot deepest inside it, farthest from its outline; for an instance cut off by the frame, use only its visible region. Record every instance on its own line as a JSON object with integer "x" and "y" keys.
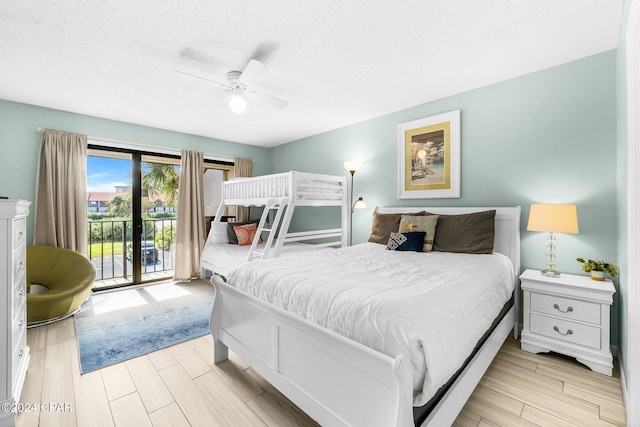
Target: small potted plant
{"x": 598, "y": 268}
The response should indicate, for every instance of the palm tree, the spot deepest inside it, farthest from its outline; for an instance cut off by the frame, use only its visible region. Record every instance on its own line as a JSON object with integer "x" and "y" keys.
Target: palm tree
{"x": 161, "y": 180}
{"x": 119, "y": 206}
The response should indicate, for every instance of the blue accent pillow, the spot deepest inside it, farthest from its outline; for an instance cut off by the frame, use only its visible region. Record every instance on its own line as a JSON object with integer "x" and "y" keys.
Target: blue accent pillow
{"x": 411, "y": 241}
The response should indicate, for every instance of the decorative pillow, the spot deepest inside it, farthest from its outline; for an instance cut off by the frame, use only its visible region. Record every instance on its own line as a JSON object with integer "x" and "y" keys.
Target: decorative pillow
{"x": 468, "y": 233}
{"x": 218, "y": 233}
{"x": 411, "y": 241}
{"x": 385, "y": 224}
{"x": 245, "y": 233}
{"x": 427, "y": 224}
{"x": 231, "y": 232}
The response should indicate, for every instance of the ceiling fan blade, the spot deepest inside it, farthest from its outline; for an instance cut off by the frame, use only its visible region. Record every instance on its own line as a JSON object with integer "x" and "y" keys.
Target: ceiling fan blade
{"x": 269, "y": 99}
{"x": 224, "y": 85}
{"x": 251, "y": 72}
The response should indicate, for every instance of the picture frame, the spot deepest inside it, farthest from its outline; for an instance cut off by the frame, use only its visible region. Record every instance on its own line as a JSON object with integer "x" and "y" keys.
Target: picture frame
{"x": 429, "y": 157}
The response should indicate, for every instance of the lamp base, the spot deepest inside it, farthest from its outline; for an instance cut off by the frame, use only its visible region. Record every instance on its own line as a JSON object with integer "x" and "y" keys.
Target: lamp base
{"x": 550, "y": 273}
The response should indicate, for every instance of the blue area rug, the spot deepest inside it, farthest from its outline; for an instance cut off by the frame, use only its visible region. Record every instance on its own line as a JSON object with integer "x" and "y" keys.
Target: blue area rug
{"x": 122, "y": 325}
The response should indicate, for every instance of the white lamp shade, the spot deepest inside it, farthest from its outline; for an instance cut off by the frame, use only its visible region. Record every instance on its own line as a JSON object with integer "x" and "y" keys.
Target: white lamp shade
{"x": 351, "y": 165}
{"x": 359, "y": 204}
{"x": 553, "y": 218}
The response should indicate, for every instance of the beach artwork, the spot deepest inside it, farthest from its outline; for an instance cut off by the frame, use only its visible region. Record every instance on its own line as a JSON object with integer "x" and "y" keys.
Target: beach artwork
{"x": 429, "y": 157}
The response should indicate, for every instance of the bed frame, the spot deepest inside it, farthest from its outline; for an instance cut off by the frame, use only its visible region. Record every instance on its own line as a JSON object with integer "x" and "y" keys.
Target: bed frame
{"x": 279, "y": 195}
{"x": 340, "y": 382}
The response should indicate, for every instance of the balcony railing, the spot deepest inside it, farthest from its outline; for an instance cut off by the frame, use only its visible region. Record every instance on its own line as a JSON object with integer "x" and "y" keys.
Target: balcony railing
{"x": 110, "y": 248}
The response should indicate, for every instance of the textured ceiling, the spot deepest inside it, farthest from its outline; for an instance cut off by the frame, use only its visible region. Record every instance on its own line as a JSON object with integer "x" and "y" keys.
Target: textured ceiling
{"x": 337, "y": 62}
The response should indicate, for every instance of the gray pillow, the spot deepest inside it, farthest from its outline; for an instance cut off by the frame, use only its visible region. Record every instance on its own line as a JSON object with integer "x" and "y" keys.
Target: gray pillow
{"x": 471, "y": 233}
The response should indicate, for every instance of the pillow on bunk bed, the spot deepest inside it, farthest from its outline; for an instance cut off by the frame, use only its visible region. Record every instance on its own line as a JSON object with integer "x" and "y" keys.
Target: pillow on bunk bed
{"x": 245, "y": 233}
{"x": 385, "y": 224}
{"x": 471, "y": 233}
{"x": 218, "y": 233}
{"x": 426, "y": 223}
{"x": 231, "y": 234}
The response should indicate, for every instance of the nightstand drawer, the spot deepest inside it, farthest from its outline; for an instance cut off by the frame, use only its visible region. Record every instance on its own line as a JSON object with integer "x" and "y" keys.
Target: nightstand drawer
{"x": 563, "y": 330}
{"x": 565, "y": 307}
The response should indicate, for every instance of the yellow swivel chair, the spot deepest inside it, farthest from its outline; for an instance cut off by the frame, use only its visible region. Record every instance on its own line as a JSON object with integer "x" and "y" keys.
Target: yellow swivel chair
{"x": 65, "y": 279}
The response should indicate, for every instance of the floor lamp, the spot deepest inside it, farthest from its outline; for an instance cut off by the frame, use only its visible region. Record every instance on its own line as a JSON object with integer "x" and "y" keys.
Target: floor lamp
{"x": 352, "y": 167}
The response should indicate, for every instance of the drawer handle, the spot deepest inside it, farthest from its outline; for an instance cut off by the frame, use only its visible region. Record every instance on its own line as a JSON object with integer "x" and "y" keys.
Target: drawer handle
{"x": 569, "y": 331}
{"x": 557, "y": 307}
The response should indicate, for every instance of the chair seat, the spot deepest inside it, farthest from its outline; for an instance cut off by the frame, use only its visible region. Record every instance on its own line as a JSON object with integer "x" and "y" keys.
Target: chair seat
{"x": 68, "y": 278}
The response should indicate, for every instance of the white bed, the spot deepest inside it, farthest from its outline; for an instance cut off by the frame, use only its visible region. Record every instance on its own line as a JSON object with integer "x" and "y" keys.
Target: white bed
{"x": 349, "y": 362}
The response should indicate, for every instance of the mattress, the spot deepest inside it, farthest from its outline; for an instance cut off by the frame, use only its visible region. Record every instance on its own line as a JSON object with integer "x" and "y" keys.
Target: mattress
{"x": 430, "y": 307}
{"x": 222, "y": 258}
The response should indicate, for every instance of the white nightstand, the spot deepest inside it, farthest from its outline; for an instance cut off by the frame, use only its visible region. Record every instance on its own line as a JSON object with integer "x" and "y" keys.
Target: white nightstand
{"x": 569, "y": 315}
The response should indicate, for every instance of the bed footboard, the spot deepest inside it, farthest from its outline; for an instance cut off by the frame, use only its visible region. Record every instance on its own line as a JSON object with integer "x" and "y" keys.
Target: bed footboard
{"x": 335, "y": 380}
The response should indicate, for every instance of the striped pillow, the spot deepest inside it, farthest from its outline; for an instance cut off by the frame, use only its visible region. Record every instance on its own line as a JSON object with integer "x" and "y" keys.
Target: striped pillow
{"x": 466, "y": 233}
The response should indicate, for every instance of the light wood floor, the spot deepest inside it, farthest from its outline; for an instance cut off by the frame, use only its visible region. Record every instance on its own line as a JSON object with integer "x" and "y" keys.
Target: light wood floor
{"x": 179, "y": 386}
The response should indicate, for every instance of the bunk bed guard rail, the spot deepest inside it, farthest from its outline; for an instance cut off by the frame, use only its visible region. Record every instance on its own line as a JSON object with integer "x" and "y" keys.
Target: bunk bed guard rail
{"x": 303, "y": 188}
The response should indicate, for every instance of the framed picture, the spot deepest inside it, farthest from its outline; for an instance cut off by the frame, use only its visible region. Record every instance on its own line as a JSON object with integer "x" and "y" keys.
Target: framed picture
{"x": 429, "y": 157}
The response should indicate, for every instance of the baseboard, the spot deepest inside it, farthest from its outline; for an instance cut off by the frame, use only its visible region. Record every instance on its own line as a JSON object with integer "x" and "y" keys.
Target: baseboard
{"x": 615, "y": 350}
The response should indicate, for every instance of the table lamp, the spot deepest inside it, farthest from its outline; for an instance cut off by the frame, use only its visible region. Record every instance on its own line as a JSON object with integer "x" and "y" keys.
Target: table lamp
{"x": 552, "y": 218}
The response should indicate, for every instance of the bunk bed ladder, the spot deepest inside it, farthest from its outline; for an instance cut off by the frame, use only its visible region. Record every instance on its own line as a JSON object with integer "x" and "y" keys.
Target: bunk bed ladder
{"x": 268, "y": 249}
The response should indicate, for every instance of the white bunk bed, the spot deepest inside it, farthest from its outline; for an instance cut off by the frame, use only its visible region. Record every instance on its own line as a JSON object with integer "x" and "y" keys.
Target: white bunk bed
{"x": 336, "y": 380}
{"x": 279, "y": 195}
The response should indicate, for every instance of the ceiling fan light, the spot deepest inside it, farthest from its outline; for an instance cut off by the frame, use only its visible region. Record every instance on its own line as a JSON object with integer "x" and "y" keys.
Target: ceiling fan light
{"x": 238, "y": 104}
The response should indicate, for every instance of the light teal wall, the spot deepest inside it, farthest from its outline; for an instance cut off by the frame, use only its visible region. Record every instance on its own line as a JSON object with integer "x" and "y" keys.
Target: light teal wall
{"x": 20, "y": 143}
{"x": 548, "y": 136}
{"x": 621, "y": 68}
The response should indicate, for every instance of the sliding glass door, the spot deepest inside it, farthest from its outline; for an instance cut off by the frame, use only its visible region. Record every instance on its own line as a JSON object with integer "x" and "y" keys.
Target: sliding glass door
{"x": 132, "y": 212}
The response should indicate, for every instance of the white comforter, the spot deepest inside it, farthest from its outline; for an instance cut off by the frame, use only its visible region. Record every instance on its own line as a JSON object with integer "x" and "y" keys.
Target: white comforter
{"x": 431, "y": 307}
{"x": 221, "y": 258}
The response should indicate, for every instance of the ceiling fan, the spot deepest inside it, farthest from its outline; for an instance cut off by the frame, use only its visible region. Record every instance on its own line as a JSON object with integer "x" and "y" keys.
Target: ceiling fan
{"x": 238, "y": 83}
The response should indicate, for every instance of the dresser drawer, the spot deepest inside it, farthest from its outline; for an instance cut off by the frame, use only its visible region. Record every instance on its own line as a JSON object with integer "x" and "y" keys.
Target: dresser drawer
{"x": 588, "y": 336}
{"x": 19, "y": 263}
{"x": 18, "y": 354}
{"x": 19, "y": 297}
{"x": 19, "y": 232}
{"x": 19, "y": 321}
{"x": 567, "y": 308}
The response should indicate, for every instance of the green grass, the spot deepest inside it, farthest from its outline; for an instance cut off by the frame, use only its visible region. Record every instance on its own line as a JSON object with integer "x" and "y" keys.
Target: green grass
{"x": 106, "y": 249}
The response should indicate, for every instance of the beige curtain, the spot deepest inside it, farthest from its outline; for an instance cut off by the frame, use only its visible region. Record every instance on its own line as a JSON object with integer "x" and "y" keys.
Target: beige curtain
{"x": 61, "y": 200}
{"x": 242, "y": 167}
{"x": 190, "y": 231}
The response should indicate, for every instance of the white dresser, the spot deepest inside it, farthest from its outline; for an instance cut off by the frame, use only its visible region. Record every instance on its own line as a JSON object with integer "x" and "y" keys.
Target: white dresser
{"x": 14, "y": 353}
{"x": 569, "y": 315}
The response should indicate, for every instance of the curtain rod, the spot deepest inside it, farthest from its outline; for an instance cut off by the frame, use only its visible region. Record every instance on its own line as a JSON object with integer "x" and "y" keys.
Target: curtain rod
{"x": 129, "y": 144}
